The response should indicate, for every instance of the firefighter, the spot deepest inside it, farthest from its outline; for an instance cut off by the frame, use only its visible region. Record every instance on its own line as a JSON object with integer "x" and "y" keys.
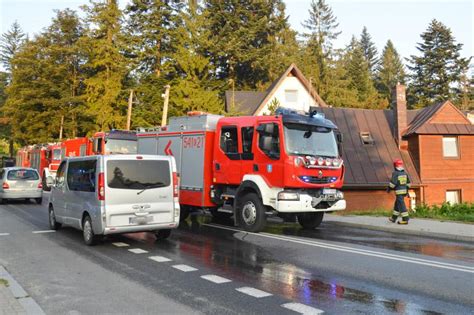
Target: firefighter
{"x": 400, "y": 182}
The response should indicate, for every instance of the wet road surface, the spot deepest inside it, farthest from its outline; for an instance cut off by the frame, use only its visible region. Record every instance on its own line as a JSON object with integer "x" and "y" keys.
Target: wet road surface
{"x": 335, "y": 269}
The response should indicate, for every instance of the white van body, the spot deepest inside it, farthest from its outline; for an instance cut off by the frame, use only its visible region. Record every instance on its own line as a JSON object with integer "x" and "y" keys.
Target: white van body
{"x": 119, "y": 193}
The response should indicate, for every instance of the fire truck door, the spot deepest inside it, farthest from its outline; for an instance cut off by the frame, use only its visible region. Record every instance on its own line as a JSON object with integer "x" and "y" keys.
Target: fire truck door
{"x": 227, "y": 163}
{"x": 247, "y": 156}
{"x": 268, "y": 153}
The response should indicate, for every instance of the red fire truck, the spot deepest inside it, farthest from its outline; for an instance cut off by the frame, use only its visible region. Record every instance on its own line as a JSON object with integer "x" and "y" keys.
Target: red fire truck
{"x": 45, "y": 158}
{"x": 288, "y": 164}
{"x": 23, "y": 156}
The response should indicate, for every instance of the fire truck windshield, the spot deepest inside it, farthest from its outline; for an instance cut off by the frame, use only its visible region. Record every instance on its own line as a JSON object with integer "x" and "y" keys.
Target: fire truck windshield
{"x": 120, "y": 146}
{"x": 311, "y": 140}
{"x": 57, "y": 154}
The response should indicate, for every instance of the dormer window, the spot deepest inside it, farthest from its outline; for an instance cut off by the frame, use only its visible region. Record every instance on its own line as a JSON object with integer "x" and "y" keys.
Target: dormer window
{"x": 366, "y": 138}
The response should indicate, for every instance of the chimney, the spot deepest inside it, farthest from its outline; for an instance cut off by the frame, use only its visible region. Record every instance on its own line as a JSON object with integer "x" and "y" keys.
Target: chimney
{"x": 399, "y": 107}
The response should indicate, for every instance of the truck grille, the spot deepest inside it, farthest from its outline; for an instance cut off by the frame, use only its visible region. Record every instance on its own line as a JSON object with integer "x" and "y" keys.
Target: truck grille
{"x": 316, "y": 180}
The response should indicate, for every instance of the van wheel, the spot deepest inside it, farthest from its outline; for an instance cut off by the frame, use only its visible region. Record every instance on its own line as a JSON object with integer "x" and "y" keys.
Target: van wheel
{"x": 88, "y": 232}
{"x": 251, "y": 213}
{"x": 310, "y": 221}
{"x": 53, "y": 224}
{"x": 162, "y": 234}
{"x": 39, "y": 200}
{"x": 43, "y": 182}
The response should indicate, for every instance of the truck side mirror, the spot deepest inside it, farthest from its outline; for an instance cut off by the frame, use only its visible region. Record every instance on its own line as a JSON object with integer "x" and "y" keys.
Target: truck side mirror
{"x": 339, "y": 137}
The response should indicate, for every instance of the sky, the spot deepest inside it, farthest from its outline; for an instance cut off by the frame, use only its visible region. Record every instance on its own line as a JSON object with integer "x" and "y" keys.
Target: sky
{"x": 401, "y": 21}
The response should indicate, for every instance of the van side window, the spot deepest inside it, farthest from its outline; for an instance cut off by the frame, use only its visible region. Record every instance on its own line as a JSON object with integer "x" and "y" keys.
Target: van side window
{"x": 269, "y": 140}
{"x": 81, "y": 175}
{"x": 60, "y": 175}
{"x": 229, "y": 141}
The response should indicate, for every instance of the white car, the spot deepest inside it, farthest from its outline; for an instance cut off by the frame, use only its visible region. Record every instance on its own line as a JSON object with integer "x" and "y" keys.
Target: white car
{"x": 112, "y": 194}
{"x": 20, "y": 183}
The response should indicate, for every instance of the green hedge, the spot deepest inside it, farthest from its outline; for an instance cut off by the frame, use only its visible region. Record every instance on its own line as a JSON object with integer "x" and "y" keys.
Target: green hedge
{"x": 457, "y": 212}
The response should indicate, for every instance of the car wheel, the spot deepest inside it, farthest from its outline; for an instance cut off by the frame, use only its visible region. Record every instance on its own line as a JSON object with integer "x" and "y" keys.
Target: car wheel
{"x": 53, "y": 224}
{"x": 251, "y": 213}
{"x": 162, "y": 234}
{"x": 88, "y": 232}
{"x": 39, "y": 200}
{"x": 310, "y": 221}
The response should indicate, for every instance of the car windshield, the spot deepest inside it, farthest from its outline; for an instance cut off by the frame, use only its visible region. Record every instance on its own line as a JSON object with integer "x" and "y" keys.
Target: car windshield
{"x": 138, "y": 174}
{"x": 311, "y": 140}
{"x": 57, "y": 154}
{"x": 22, "y": 174}
{"x": 118, "y": 146}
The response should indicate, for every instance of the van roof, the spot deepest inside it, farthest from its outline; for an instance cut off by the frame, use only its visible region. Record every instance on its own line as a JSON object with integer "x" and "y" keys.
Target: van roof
{"x": 120, "y": 157}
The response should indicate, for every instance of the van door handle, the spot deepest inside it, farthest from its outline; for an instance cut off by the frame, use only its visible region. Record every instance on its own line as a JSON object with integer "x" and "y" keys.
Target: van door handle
{"x": 218, "y": 166}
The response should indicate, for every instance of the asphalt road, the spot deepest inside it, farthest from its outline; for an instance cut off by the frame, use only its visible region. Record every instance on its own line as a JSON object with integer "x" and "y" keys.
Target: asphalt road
{"x": 211, "y": 267}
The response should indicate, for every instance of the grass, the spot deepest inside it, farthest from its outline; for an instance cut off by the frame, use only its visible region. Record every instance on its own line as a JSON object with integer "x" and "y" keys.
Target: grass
{"x": 463, "y": 212}
{"x": 4, "y": 282}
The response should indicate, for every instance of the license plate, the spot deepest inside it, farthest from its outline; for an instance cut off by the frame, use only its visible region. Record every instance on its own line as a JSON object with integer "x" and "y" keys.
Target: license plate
{"x": 327, "y": 191}
{"x": 140, "y": 220}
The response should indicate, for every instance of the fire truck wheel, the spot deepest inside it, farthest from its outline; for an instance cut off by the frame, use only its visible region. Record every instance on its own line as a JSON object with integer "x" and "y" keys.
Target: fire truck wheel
{"x": 310, "y": 221}
{"x": 251, "y": 213}
{"x": 162, "y": 234}
{"x": 184, "y": 213}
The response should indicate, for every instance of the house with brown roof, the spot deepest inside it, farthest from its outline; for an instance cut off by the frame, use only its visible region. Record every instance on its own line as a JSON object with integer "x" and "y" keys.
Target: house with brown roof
{"x": 291, "y": 90}
{"x": 436, "y": 144}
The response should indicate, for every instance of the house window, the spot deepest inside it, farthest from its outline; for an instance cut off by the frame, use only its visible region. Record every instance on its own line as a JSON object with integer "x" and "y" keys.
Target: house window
{"x": 366, "y": 138}
{"x": 291, "y": 96}
{"x": 453, "y": 196}
{"x": 450, "y": 147}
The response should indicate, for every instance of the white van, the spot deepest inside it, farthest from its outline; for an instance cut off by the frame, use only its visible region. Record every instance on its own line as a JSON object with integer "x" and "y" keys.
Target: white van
{"x": 112, "y": 194}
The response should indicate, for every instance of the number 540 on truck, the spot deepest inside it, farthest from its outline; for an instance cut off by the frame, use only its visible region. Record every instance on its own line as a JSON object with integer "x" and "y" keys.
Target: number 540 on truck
{"x": 249, "y": 167}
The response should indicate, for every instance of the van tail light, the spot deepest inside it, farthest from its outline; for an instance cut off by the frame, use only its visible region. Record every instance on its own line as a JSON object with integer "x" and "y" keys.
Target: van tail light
{"x": 101, "y": 187}
{"x": 40, "y": 185}
{"x": 175, "y": 184}
{"x": 5, "y": 185}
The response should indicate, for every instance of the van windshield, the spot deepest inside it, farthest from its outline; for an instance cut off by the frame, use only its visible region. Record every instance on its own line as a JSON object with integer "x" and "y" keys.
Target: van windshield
{"x": 22, "y": 174}
{"x": 138, "y": 174}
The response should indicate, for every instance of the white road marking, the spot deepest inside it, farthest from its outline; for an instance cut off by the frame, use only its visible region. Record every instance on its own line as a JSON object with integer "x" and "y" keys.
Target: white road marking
{"x": 302, "y": 309}
{"x": 184, "y": 268}
{"x": 4, "y": 234}
{"x": 159, "y": 258}
{"x": 253, "y": 292}
{"x": 216, "y": 279}
{"x": 120, "y": 244}
{"x": 372, "y": 253}
{"x": 46, "y": 231}
{"x": 137, "y": 251}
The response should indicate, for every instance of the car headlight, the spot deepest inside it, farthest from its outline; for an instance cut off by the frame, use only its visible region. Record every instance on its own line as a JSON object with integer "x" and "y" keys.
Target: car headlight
{"x": 288, "y": 195}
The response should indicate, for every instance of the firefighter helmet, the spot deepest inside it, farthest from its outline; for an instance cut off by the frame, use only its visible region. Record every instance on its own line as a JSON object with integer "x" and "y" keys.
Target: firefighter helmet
{"x": 398, "y": 163}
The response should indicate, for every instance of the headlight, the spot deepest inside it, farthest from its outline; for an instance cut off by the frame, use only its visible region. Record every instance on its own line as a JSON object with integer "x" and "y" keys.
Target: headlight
{"x": 328, "y": 162}
{"x": 336, "y": 162}
{"x": 320, "y": 161}
{"x": 288, "y": 195}
{"x": 339, "y": 195}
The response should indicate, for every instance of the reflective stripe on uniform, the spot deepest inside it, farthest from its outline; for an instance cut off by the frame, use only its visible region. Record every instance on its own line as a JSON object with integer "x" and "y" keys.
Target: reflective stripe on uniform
{"x": 405, "y": 214}
{"x": 391, "y": 185}
{"x": 400, "y": 191}
{"x": 402, "y": 179}
{"x": 396, "y": 213}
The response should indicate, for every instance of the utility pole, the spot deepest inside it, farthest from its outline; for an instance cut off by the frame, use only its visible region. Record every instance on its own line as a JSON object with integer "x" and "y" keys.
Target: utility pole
{"x": 61, "y": 128}
{"x": 129, "y": 112}
{"x": 166, "y": 97}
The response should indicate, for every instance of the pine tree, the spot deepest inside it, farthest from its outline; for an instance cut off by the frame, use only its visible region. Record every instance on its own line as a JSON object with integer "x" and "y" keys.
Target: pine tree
{"x": 106, "y": 63}
{"x": 322, "y": 30}
{"x": 369, "y": 49}
{"x": 438, "y": 68}
{"x": 10, "y": 42}
{"x": 193, "y": 88}
{"x": 389, "y": 72}
{"x": 240, "y": 34}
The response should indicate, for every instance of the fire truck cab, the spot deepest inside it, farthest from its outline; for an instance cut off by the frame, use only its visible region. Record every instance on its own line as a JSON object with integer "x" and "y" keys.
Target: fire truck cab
{"x": 288, "y": 164}
{"x": 114, "y": 142}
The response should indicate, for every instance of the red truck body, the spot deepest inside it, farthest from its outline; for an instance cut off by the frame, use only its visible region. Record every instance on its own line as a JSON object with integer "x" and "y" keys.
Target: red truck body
{"x": 288, "y": 164}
